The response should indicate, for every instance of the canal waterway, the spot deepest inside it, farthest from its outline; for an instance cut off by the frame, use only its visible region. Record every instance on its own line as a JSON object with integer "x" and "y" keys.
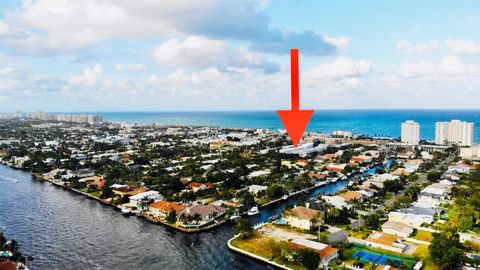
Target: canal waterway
{"x": 64, "y": 230}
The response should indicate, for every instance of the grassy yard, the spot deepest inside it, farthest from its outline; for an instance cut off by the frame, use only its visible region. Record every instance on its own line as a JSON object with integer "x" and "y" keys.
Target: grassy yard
{"x": 423, "y": 236}
{"x": 262, "y": 246}
{"x": 258, "y": 245}
{"x": 421, "y": 252}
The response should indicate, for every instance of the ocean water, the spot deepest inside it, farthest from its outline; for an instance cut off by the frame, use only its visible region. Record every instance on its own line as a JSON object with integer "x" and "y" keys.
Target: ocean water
{"x": 369, "y": 122}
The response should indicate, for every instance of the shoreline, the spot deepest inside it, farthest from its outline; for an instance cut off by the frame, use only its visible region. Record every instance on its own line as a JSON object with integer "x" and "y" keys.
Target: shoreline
{"x": 212, "y": 225}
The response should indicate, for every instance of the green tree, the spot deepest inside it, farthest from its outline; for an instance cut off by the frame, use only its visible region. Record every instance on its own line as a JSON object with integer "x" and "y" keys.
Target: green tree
{"x": 243, "y": 228}
{"x": 172, "y": 217}
{"x": 444, "y": 252}
{"x": 107, "y": 192}
{"x": 308, "y": 258}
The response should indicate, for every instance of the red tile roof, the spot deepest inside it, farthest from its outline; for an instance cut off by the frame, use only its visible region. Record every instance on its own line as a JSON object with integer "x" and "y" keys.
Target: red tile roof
{"x": 8, "y": 265}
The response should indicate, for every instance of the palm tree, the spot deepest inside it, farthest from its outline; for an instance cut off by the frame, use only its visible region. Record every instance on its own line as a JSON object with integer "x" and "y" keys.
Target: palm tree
{"x": 197, "y": 217}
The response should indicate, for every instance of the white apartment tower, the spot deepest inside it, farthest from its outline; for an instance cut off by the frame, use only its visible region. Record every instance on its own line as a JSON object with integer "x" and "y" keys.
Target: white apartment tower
{"x": 410, "y": 132}
{"x": 454, "y": 132}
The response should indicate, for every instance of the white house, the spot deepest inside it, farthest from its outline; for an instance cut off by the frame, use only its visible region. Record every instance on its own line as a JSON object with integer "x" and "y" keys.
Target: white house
{"x": 145, "y": 196}
{"x": 256, "y": 188}
{"x": 302, "y": 217}
{"x": 397, "y": 228}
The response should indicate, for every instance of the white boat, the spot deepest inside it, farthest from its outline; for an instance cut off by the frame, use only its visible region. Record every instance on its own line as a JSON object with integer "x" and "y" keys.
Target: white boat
{"x": 234, "y": 217}
{"x": 253, "y": 211}
{"x": 285, "y": 197}
{"x": 125, "y": 211}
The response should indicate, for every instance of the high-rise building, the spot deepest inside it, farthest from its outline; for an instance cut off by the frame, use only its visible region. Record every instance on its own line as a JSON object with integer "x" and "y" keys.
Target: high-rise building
{"x": 454, "y": 132}
{"x": 410, "y": 132}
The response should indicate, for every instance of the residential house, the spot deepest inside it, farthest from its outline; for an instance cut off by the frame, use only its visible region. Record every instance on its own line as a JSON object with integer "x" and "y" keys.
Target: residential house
{"x": 414, "y": 216}
{"x": 196, "y": 186}
{"x": 255, "y": 189}
{"x": 145, "y": 197}
{"x": 469, "y": 236}
{"x": 206, "y": 213}
{"x": 96, "y": 181}
{"x": 327, "y": 253}
{"x": 351, "y": 196}
{"x": 163, "y": 208}
{"x": 397, "y": 228}
{"x": 337, "y": 201}
{"x": 122, "y": 190}
{"x": 302, "y": 217}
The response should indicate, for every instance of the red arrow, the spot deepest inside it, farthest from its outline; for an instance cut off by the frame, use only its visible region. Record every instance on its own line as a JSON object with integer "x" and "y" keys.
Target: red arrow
{"x": 295, "y": 120}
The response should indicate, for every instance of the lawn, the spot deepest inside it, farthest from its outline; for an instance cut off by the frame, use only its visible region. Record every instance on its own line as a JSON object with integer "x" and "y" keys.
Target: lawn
{"x": 421, "y": 251}
{"x": 261, "y": 246}
{"x": 258, "y": 245}
{"x": 423, "y": 236}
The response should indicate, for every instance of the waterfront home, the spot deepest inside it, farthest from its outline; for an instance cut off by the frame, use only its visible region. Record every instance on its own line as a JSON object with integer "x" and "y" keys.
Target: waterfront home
{"x": 196, "y": 186}
{"x": 163, "y": 208}
{"x": 302, "y": 217}
{"x": 397, "y": 228}
{"x": 255, "y": 189}
{"x": 205, "y": 213}
{"x": 326, "y": 252}
{"x": 337, "y": 201}
{"x": 91, "y": 181}
{"x": 351, "y": 196}
{"x": 146, "y": 196}
{"x": 336, "y": 167}
{"x": 122, "y": 190}
{"x": 360, "y": 159}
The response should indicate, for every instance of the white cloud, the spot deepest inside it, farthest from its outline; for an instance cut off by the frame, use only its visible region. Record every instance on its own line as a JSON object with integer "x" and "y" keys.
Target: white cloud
{"x": 89, "y": 78}
{"x": 339, "y": 69}
{"x": 416, "y": 48}
{"x": 55, "y": 26}
{"x": 130, "y": 67}
{"x": 201, "y": 52}
{"x": 340, "y": 42}
{"x": 466, "y": 48}
{"x": 194, "y": 51}
{"x": 449, "y": 69}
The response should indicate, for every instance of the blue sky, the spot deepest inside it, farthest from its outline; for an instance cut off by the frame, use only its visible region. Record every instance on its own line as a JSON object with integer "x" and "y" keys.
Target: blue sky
{"x": 93, "y": 55}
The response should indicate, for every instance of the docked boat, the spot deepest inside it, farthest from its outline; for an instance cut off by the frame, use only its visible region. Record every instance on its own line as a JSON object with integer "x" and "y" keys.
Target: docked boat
{"x": 253, "y": 211}
{"x": 285, "y": 197}
{"x": 125, "y": 211}
{"x": 234, "y": 217}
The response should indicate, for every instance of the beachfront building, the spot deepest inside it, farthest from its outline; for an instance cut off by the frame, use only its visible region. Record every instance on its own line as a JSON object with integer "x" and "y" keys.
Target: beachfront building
{"x": 454, "y": 132}
{"x": 410, "y": 132}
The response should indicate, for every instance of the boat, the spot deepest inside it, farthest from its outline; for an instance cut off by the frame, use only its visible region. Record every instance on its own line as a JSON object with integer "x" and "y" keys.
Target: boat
{"x": 285, "y": 197}
{"x": 235, "y": 216}
{"x": 125, "y": 211}
{"x": 253, "y": 211}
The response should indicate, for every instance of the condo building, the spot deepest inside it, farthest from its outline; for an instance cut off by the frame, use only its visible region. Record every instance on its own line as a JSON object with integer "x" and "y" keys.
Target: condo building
{"x": 454, "y": 132}
{"x": 410, "y": 132}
